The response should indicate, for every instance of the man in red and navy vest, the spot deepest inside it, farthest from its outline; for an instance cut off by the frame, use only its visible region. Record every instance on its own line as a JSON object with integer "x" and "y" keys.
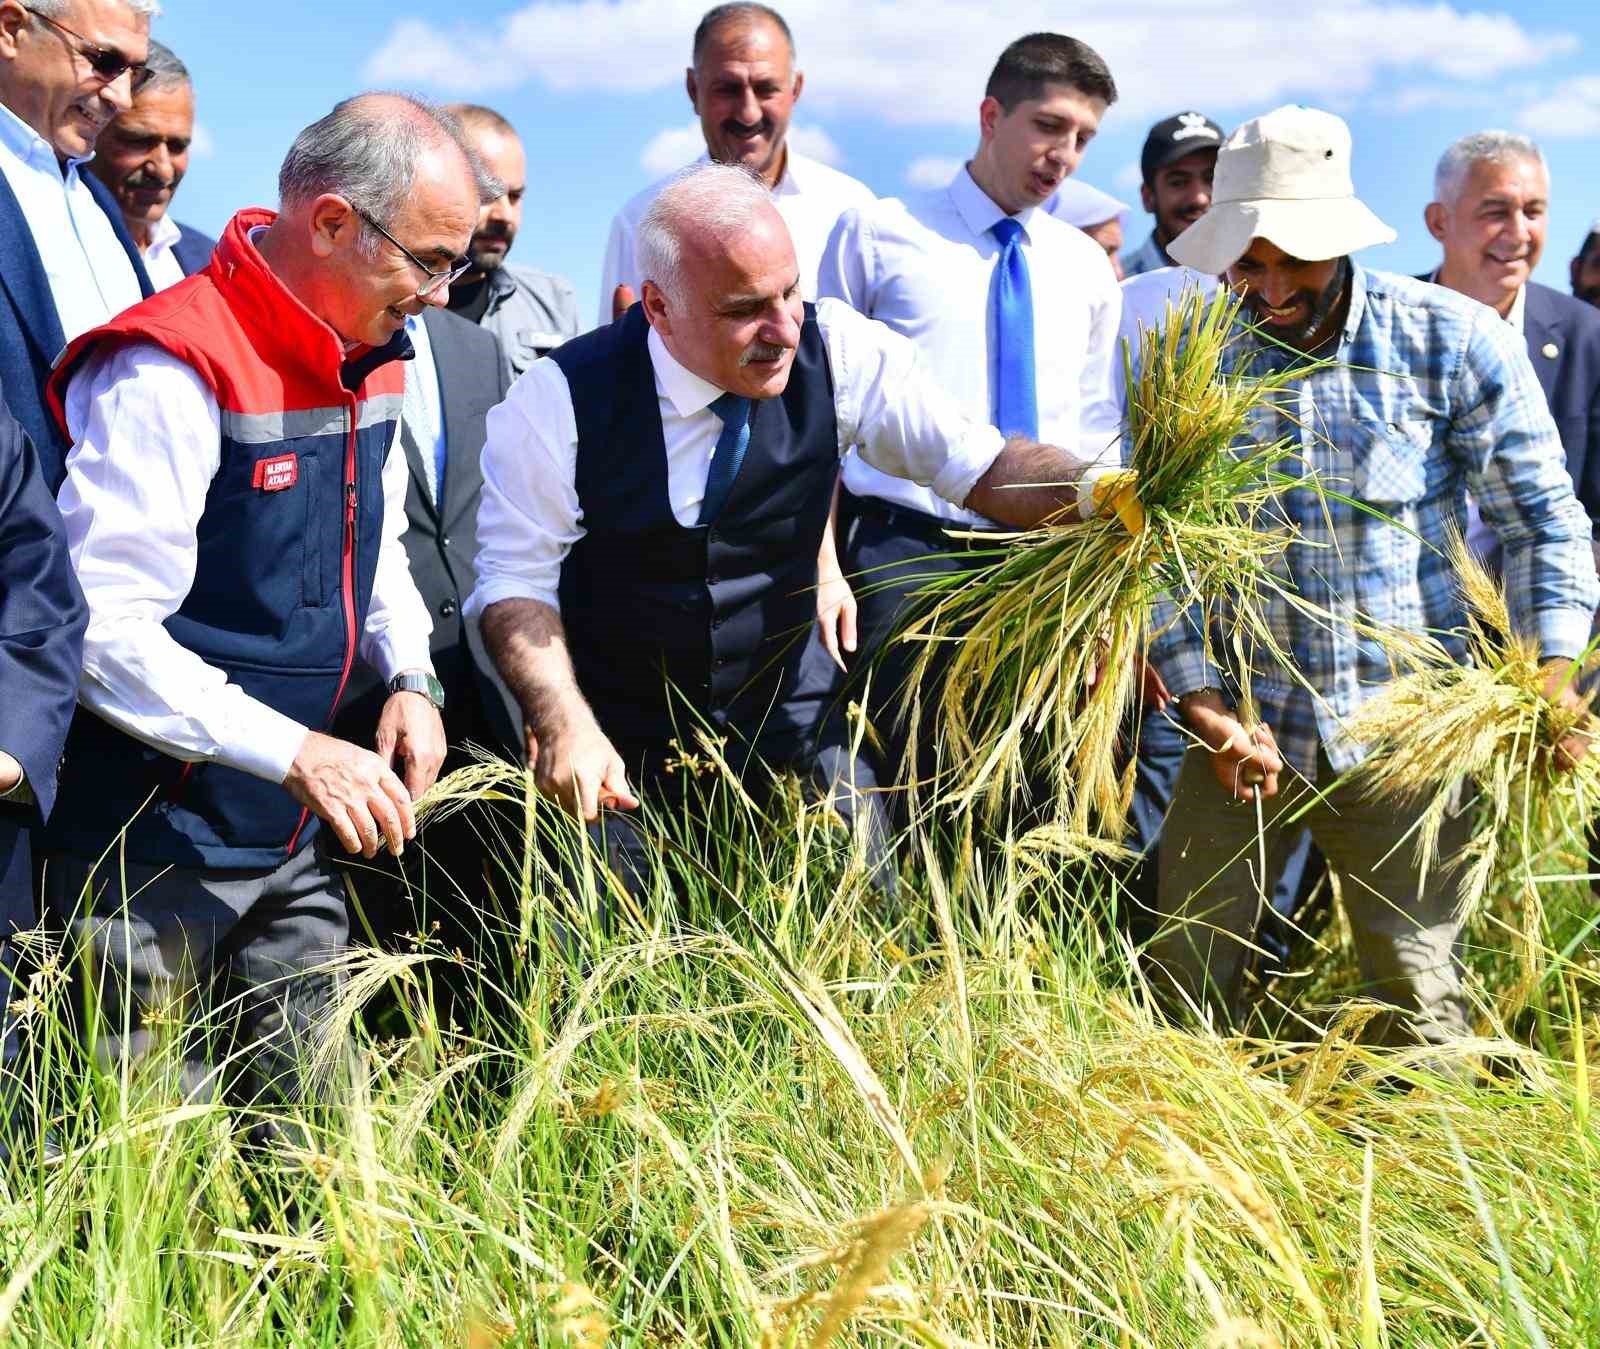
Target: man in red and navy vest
{"x": 234, "y": 512}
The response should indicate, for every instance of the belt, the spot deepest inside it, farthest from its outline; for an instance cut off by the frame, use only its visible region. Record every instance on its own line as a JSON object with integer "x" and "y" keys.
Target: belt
{"x": 919, "y": 524}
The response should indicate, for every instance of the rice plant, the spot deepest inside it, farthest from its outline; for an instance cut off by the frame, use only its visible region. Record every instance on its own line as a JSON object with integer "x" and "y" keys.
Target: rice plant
{"x": 1041, "y": 647}
{"x": 745, "y": 1111}
{"x": 1485, "y": 735}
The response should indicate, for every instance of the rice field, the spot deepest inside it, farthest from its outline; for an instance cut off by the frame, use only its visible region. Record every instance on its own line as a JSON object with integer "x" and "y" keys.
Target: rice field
{"x": 760, "y": 1107}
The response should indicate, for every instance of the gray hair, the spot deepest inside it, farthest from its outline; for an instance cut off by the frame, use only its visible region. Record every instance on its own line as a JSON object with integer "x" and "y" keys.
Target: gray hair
{"x": 1481, "y": 147}
{"x": 366, "y": 151}
{"x": 722, "y": 198}
{"x": 166, "y": 70}
{"x": 57, "y": 9}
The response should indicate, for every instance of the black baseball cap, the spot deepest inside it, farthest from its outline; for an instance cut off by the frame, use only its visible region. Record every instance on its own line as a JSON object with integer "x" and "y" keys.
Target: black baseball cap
{"x": 1176, "y": 137}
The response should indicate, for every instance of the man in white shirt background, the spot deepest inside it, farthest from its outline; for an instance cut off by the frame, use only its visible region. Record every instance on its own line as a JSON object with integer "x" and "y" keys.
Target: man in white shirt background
{"x": 743, "y": 85}
{"x": 142, "y": 156}
{"x": 234, "y": 513}
{"x": 67, "y": 67}
{"x": 655, "y": 494}
{"x": 1014, "y": 313}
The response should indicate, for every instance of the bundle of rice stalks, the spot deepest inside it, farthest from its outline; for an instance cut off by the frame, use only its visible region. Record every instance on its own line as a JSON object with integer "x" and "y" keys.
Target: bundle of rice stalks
{"x": 1487, "y": 730}
{"x": 1042, "y": 644}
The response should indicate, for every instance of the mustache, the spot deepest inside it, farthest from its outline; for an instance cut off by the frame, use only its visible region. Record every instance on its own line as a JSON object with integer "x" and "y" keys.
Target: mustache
{"x": 761, "y": 351}
{"x": 142, "y": 179}
{"x": 494, "y": 232}
{"x": 746, "y": 128}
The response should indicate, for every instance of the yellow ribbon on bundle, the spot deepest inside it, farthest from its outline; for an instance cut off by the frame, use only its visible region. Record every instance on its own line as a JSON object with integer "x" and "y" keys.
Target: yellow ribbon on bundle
{"x": 1120, "y": 492}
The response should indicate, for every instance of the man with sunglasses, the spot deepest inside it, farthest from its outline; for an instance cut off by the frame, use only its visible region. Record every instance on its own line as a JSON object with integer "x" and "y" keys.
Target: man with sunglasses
{"x": 234, "y": 509}
{"x": 67, "y": 67}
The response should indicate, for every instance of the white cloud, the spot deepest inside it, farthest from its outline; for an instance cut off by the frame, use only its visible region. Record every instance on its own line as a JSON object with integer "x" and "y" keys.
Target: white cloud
{"x": 932, "y": 171}
{"x": 921, "y": 62}
{"x": 1129, "y": 178}
{"x": 672, "y": 149}
{"x": 676, "y": 146}
{"x": 1571, "y": 109}
{"x": 202, "y": 144}
{"x": 814, "y": 141}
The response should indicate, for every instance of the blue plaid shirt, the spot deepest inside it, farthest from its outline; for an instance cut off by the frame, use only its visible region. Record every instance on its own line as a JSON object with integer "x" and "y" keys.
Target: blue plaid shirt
{"x": 1433, "y": 396}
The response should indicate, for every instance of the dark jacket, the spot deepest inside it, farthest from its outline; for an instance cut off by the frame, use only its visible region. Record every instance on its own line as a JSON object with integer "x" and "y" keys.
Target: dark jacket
{"x": 42, "y": 621}
{"x": 193, "y": 249}
{"x": 30, "y": 329}
{"x": 443, "y": 550}
{"x": 287, "y": 552}
{"x": 1564, "y": 344}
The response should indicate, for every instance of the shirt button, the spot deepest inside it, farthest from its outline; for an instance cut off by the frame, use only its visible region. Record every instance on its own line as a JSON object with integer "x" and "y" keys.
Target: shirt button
{"x": 447, "y": 609}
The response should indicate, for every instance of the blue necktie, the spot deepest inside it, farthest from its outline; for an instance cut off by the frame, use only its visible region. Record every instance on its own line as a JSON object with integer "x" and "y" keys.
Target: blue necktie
{"x": 734, "y": 409}
{"x": 1016, "y": 402}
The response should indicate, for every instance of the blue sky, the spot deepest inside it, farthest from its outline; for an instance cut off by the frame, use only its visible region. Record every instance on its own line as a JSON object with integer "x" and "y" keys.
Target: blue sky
{"x": 596, "y": 89}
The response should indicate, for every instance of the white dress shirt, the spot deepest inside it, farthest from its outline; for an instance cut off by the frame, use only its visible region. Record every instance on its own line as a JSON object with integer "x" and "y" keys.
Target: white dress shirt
{"x": 925, "y": 266}
{"x": 1146, "y": 301}
{"x": 88, "y": 271}
{"x": 884, "y": 401}
{"x": 422, "y": 411}
{"x": 147, "y": 443}
{"x": 161, "y": 264}
{"x": 809, "y": 197}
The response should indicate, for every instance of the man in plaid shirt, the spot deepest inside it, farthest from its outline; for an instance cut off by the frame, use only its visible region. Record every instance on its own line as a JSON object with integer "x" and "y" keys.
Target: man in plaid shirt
{"x": 1431, "y": 396}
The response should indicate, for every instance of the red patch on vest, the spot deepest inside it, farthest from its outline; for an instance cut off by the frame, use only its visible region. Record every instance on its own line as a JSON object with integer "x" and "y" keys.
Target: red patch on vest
{"x": 277, "y": 475}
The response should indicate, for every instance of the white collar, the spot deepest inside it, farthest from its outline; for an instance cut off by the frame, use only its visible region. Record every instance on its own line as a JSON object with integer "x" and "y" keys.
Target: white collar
{"x": 685, "y": 390}
{"x": 788, "y": 185}
{"x": 979, "y": 210}
{"x": 30, "y": 147}
{"x": 163, "y": 234}
{"x": 1516, "y": 316}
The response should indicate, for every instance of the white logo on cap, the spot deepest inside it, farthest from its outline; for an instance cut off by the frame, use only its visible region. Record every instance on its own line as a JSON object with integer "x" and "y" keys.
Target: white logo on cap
{"x": 1194, "y": 124}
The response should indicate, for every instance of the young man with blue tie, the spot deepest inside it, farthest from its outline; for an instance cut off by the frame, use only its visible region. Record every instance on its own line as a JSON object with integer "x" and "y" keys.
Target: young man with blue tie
{"x": 1015, "y": 314}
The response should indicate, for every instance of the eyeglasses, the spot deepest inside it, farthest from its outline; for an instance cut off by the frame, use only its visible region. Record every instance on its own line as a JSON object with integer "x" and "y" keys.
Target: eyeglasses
{"x": 436, "y": 281}
{"x": 107, "y": 63}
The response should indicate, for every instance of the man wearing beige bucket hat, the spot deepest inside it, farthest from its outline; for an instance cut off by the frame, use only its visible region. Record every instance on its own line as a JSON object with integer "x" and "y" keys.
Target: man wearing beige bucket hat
{"x": 1426, "y": 396}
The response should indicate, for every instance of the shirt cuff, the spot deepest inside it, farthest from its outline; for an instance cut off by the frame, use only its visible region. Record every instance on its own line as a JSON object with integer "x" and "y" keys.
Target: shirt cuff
{"x": 264, "y": 742}
{"x": 513, "y": 588}
{"x": 1184, "y": 667}
{"x": 968, "y": 462}
{"x": 390, "y": 658}
{"x": 1563, "y": 633}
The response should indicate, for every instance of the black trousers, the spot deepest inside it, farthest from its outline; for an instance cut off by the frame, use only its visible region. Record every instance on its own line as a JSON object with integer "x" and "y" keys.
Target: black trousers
{"x": 889, "y": 554}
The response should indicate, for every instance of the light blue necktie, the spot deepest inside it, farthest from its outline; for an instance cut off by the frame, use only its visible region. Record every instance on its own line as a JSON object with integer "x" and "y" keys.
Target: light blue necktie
{"x": 1016, "y": 401}
{"x": 734, "y": 409}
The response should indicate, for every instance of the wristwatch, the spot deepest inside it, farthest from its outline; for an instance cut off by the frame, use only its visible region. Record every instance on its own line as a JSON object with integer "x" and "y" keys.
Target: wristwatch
{"x": 416, "y": 682}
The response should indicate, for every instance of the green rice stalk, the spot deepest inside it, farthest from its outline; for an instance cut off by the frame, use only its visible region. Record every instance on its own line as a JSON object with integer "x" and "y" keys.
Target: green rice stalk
{"x": 1046, "y": 637}
{"x": 1483, "y": 735}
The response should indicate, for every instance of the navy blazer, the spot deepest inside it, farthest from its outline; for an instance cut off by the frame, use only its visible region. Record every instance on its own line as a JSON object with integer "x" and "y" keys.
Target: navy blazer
{"x": 193, "y": 249}
{"x": 42, "y": 621}
{"x": 30, "y": 330}
{"x": 1564, "y": 345}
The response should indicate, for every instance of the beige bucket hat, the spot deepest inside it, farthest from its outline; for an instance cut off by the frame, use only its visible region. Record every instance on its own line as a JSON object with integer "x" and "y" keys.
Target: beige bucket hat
{"x": 1284, "y": 177}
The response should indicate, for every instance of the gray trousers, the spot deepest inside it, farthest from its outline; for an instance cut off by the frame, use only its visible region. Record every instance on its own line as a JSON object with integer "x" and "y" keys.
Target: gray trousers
{"x": 1211, "y": 898}
{"x": 167, "y": 947}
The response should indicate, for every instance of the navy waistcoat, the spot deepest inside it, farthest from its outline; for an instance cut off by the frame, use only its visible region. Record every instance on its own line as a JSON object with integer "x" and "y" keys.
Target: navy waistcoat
{"x": 672, "y": 626}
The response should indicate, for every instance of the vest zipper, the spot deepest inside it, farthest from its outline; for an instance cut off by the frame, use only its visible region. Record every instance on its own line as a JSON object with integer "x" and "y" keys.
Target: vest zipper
{"x": 347, "y": 585}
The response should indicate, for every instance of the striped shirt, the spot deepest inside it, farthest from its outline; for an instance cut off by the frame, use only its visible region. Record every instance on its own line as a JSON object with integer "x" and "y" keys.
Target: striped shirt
{"x": 1433, "y": 396}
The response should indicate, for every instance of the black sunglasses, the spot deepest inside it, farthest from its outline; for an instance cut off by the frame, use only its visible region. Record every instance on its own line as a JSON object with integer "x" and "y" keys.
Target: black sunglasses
{"x": 435, "y": 280}
{"x": 106, "y": 63}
